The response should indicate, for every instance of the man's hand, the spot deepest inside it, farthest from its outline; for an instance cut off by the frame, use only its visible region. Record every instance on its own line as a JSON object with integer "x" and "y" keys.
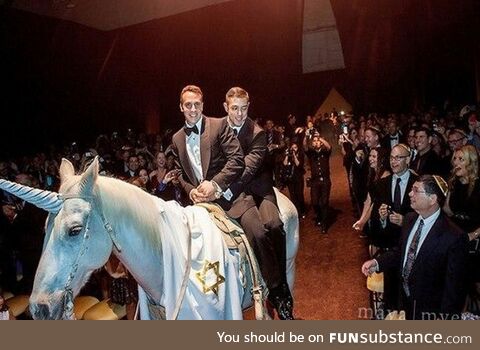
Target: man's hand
{"x": 383, "y": 211}
{"x": 206, "y": 192}
{"x": 359, "y": 155}
{"x": 369, "y": 267}
{"x": 396, "y": 218}
{"x": 272, "y": 146}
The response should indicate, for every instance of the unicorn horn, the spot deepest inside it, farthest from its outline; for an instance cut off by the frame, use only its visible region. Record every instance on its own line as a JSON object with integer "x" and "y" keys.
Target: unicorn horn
{"x": 45, "y": 200}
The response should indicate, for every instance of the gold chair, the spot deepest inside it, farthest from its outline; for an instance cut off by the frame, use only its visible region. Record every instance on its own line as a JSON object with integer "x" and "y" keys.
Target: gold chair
{"x": 105, "y": 310}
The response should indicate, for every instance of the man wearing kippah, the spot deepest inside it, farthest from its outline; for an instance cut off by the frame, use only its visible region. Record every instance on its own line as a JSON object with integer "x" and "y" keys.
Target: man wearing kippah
{"x": 431, "y": 258}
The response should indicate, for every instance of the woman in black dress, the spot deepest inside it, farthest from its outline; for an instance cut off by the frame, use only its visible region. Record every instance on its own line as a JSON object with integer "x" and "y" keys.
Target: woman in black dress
{"x": 463, "y": 207}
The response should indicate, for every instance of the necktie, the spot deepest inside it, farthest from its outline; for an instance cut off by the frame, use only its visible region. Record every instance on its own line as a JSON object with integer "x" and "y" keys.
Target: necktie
{"x": 270, "y": 138}
{"x": 188, "y": 130}
{"x": 411, "y": 255}
{"x": 397, "y": 196}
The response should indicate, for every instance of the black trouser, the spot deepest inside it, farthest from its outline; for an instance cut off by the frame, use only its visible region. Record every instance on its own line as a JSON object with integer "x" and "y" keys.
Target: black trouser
{"x": 265, "y": 233}
{"x": 295, "y": 189}
{"x": 320, "y": 196}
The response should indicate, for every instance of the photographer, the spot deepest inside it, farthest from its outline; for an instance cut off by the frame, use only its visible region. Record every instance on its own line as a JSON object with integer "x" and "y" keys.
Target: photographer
{"x": 318, "y": 152}
{"x": 292, "y": 176}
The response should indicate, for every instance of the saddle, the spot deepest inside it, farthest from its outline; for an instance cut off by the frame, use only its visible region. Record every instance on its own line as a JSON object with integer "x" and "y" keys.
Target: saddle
{"x": 235, "y": 239}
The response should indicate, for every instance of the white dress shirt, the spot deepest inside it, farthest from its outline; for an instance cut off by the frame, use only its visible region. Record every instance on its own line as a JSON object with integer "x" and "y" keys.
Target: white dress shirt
{"x": 427, "y": 225}
{"x": 403, "y": 184}
{"x": 193, "y": 151}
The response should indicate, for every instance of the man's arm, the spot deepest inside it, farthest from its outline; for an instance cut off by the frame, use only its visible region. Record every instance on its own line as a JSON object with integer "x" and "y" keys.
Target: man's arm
{"x": 454, "y": 293}
{"x": 254, "y": 157}
{"x": 184, "y": 184}
{"x": 235, "y": 164}
{"x": 231, "y": 150}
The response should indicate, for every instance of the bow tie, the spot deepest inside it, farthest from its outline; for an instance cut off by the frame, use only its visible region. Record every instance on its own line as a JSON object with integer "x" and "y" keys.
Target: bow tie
{"x": 188, "y": 130}
{"x": 393, "y": 137}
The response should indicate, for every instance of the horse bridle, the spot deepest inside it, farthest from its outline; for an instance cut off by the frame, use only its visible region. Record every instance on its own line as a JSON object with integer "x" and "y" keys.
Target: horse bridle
{"x": 68, "y": 292}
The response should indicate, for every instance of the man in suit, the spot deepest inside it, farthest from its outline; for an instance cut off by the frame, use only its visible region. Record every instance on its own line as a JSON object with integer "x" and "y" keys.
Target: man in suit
{"x": 208, "y": 152}
{"x": 432, "y": 256}
{"x": 275, "y": 146}
{"x": 391, "y": 204}
{"x": 393, "y": 137}
{"x": 256, "y": 204}
{"x": 426, "y": 161}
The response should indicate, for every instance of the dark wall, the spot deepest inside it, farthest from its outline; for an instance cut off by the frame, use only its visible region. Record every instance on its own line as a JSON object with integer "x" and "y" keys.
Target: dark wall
{"x": 66, "y": 81}
{"x": 62, "y": 81}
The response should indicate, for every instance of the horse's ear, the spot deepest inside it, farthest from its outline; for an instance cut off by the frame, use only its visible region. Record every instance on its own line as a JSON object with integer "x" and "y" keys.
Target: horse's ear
{"x": 66, "y": 169}
{"x": 89, "y": 177}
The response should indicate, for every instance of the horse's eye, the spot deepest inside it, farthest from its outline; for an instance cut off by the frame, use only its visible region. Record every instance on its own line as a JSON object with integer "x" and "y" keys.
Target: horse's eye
{"x": 75, "y": 231}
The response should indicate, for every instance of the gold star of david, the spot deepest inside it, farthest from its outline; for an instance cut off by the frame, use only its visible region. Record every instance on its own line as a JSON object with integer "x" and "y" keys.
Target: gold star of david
{"x": 202, "y": 277}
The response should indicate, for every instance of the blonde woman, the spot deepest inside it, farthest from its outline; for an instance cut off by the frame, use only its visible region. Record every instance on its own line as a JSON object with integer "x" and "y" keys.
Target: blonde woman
{"x": 463, "y": 207}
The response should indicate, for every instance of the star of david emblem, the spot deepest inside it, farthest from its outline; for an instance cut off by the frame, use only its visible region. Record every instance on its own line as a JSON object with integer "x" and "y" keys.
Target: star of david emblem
{"x": 209, "y": 277}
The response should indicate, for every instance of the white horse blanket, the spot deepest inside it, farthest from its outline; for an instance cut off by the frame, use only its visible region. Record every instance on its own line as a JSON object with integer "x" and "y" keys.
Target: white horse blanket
{"x": 214, "y": 288}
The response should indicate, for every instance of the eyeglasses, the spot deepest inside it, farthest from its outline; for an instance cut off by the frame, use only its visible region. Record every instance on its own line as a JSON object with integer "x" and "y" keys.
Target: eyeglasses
{"x": 456, "y": 140}
{"x": 397, "y": 158}
{"x": 416, "y": 190}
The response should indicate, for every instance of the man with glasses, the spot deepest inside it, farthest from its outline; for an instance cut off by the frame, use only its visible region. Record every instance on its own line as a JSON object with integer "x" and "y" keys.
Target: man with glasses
{"x": 456, "y": 139}
{"x": 389, "y": 208}
{"x": 431, "y": 258}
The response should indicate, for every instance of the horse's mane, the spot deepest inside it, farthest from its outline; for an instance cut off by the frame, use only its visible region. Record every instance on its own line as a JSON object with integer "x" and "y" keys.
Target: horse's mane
{"x": 127, "y": 205}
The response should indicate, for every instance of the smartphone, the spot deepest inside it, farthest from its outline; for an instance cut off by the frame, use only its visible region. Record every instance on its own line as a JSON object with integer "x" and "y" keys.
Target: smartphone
{"x": 345, "y": 129}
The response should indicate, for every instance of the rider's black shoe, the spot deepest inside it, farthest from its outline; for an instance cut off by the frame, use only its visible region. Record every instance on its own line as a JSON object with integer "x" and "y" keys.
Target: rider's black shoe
{"x": 282, "y": 300}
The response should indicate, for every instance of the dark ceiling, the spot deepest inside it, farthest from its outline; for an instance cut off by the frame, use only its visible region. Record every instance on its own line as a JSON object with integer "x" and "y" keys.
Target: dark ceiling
{"x": 63, "y": 81}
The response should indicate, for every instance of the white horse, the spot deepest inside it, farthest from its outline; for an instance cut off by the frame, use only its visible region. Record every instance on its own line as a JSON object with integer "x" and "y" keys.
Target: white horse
{"x": 177, "y": 255}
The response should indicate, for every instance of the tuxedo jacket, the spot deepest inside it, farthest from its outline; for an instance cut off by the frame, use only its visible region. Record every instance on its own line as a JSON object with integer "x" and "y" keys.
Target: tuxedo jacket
{"x": 388, "y": 236}
{"x": 221, "y": 156}
{"x": 428, "y": 163}
{"x": 437, "y": 282}
{"x": 257, "y": 178}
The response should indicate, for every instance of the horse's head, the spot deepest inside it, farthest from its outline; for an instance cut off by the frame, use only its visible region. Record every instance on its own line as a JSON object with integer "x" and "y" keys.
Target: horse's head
{"x": 75, "y": 245}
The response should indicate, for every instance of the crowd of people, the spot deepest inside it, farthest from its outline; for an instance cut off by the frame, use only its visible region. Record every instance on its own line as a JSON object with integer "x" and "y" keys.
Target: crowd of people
{"x": 416, "y": 191}
{"x": 407, "y": 173}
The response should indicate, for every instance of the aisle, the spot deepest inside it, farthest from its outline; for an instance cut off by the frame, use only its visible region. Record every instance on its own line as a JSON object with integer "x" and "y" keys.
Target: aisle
{"x": 329, "y": 283}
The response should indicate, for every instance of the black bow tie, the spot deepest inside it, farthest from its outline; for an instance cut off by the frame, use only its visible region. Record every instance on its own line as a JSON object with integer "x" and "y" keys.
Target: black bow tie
{"x": 393, "y": 137}
{"x": 188, "y": 130}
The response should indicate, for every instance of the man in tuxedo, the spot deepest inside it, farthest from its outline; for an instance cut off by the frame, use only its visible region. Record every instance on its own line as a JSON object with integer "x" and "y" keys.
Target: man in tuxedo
{"x": 391, "y": 204}
{"x": 256, "y": 204}
{"x": 393, "y": 137}
{"x": 432, "y": 256}
{"x": 208, "y": 152}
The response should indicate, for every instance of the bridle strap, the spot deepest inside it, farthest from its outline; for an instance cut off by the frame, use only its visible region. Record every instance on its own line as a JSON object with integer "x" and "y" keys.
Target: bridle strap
{"x": 108, "y": 227}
